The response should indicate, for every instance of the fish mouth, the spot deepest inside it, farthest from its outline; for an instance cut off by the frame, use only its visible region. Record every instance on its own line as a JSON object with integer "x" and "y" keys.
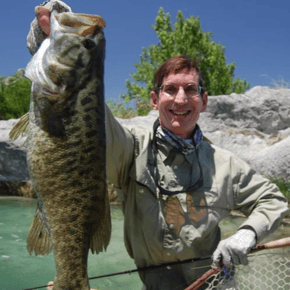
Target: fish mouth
{"x": 49, "y": 91}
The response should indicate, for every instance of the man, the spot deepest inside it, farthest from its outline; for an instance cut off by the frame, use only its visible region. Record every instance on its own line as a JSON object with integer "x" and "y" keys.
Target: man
{"x": 179, "y": 187}
{"x": 175, "y": 187}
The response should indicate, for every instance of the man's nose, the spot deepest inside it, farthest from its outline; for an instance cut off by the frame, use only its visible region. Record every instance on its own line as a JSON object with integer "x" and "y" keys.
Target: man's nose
{"x": 181, "y": 96}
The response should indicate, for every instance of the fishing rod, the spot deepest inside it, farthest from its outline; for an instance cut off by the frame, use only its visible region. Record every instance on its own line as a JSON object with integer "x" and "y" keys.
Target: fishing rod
{"x": 141, "y": 269}
{"x": 270, "y": 245}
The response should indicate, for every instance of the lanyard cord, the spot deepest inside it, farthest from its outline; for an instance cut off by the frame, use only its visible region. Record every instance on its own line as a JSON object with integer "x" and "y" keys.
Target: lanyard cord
{"x": 155, "y": 175}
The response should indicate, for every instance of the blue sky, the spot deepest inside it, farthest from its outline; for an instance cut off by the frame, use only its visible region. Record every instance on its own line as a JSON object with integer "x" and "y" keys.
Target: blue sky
{"x": 255, "y": 34}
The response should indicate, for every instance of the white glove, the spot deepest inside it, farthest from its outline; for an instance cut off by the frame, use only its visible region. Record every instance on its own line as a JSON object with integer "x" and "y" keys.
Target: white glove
{"x": 235, "y": 248}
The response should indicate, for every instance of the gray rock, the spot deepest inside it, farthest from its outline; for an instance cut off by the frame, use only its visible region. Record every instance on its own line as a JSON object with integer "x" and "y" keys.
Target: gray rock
{"x": 248, "y": 124}
{"x": 143, "y": 121}
{"x": 20, "y": 72}
{"x": 244, "y": 143}
{"x": 264, "y": 109}
{"x": 13, "y": 165}
{"x": 274, "y": 161}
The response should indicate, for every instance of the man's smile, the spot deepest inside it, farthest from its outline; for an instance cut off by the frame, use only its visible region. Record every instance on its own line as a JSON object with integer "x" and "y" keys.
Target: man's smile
{"x": 180, "y": 113}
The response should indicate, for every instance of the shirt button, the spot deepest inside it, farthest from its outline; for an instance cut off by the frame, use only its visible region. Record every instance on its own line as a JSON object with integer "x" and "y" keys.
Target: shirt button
{"x": 168, "y": 268}
{"x": 171, "y": 226}
{"x": 168, "y": 254}
{"x": 141, "y": 190}
{"x": 175, "y": 166}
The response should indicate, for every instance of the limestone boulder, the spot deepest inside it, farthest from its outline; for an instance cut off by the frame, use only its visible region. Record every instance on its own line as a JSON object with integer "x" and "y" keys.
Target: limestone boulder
{"x": 264, "y": 109}
{"x": 13, "y": 164}
{"x": 143, "y": 121}
{"x": 274, "y": 161}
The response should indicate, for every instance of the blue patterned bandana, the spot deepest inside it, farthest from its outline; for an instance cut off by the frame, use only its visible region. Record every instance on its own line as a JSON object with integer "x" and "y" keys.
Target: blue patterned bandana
{"x": 187, "y": 145}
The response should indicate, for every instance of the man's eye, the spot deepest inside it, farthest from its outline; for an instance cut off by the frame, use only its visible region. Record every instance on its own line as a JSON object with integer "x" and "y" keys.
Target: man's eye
{"x": 171, "y": 90}
{"x": 191, "y": 90}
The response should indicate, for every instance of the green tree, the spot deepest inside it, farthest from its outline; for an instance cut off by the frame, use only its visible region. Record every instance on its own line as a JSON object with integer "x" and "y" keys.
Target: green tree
{"x": 185, "y": 37}
{"x": 14, "y": 96}
{"x": 119, "y": 110}
{"x": 2, "y": 98}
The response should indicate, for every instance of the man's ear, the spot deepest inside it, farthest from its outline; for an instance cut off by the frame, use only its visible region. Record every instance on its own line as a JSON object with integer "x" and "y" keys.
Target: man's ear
{"x": 43, "y": 18}
{"x": 154, "y": 100}
{"x": 204, "y": 101}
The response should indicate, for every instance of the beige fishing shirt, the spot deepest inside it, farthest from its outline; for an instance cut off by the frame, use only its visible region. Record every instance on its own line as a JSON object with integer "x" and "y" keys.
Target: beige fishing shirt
{"x": 164, "y": 228}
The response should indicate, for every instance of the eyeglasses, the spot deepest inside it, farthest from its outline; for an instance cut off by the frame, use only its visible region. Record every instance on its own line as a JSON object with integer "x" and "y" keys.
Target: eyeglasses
{"x": 191, "y": 90}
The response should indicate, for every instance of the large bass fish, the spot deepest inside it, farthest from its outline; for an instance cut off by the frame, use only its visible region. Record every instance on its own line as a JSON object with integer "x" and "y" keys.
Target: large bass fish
{"x": 66, "y": 146}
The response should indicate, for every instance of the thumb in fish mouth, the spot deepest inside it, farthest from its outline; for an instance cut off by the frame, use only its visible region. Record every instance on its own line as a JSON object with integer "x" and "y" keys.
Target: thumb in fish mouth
{"x": 43, "y": 18}
{"x": 50, "y": 284}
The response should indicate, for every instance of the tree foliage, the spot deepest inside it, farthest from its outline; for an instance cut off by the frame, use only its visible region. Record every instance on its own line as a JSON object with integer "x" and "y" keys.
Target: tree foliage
{"x": 14, "y": 96}
{"x": 184, "y": 37}
{"x": 119, "y": 110}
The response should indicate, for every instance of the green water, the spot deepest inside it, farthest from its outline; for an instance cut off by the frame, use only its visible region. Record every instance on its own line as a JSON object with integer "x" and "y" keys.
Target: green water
{"x": 19, "y": 271}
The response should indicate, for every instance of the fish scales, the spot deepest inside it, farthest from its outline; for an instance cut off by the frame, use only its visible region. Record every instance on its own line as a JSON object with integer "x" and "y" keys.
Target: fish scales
{"x": 66, "y": 147}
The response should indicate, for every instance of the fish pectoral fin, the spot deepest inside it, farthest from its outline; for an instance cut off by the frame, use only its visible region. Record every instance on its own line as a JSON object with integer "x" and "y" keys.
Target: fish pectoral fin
{"x": 20, "y": 127}
{"x": 38, "y": 240}
{"x": 101, "y": 232}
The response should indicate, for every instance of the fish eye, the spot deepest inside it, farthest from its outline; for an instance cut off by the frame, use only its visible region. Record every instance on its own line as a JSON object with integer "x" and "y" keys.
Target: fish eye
{"x": 88, "y": 44}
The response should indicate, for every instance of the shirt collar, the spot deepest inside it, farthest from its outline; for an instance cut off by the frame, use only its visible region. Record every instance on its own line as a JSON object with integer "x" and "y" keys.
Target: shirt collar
{"x": 167, "y": 141}
{"x": 178, "y": 142}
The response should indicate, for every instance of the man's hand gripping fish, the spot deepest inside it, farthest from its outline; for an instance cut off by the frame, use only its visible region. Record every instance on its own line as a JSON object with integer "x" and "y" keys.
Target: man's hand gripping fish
{"x": 66, "y": 152}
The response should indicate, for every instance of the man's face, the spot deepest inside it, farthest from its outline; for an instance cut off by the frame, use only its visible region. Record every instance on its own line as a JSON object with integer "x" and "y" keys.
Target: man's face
{"x": 179, "y": 114}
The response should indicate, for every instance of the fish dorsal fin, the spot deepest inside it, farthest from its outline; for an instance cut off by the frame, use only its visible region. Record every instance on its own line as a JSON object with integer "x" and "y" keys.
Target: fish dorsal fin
{"x": 79, "y": 23}
{"x": 38, "y": 240}
{"x": 20, "y": 128}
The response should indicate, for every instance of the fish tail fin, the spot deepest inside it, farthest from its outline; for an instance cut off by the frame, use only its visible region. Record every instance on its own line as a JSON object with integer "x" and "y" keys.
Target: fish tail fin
{"x": 38, "y": 240}
{"x": 101, "y": 233}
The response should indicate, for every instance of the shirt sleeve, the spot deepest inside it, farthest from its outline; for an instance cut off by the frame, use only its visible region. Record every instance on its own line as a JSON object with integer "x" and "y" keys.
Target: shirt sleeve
{"x": 119, "y": 152}
{"x": 260, "y": 200}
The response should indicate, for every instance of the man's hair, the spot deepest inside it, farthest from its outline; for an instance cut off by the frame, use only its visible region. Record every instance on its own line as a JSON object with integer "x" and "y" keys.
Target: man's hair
{"x": 174, "y": 65}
